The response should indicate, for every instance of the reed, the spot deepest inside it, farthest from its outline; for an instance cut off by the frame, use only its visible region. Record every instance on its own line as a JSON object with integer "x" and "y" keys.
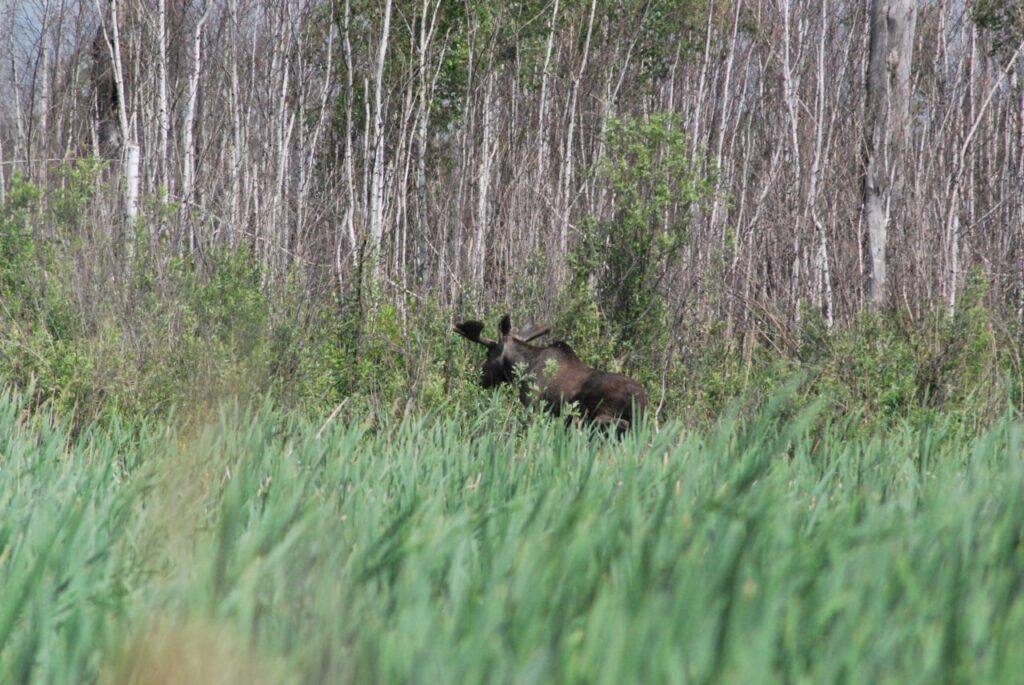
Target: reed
{"x": 471, "y": 549}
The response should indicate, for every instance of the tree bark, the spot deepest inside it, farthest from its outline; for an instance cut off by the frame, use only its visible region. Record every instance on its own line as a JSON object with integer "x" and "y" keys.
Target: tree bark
{"x": 886, "y": 128}
{"x": 163, "y": 105}
{"x": 188, "y": 183}
{"x": 483, "y": 199}
{"x": 130, "y": 149}
{"x": 379, "y": 164}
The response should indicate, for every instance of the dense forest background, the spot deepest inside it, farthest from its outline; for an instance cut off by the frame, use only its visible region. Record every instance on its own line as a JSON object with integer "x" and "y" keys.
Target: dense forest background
{"x": 210, "y": 197}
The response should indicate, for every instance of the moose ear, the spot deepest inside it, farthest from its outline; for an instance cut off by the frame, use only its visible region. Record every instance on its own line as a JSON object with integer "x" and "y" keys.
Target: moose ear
{"x": 505, "y": 325}
{"x": 470, "y": 330}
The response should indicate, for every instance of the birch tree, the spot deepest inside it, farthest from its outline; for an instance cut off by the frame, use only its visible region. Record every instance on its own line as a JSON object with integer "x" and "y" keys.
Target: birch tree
{"x": 188, "y": 169}
{"x": 379, "y": 168}
{"x": 129, "y": 143}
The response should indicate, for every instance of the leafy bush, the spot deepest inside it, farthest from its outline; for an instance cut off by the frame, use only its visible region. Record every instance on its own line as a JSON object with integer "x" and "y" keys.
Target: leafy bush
{"x": 372, "y": 354}
{"x": 621, "y": 262}
{"x": 101, "y": 342}
{"x": 17, "y": 247}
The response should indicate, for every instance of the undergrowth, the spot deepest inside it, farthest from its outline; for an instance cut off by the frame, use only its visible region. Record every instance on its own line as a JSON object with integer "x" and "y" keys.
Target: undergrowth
{"x": 136, "y": 328}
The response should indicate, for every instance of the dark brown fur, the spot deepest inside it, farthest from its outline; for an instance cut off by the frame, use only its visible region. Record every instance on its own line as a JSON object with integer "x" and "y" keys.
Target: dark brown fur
{"x": 556, "y": 376}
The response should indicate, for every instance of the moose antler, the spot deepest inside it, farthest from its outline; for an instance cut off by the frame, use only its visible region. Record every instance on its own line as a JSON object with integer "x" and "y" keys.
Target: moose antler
{"x": 470, "y": 330}
{"x": 530, "y": 332}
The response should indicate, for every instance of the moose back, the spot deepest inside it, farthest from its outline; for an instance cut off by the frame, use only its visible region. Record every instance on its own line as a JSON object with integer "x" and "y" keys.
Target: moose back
{"x": 556, "y": 374}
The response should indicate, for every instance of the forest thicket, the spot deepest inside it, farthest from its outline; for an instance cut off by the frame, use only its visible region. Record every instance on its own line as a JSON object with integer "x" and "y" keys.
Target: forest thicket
{"x": 203, "y": 197}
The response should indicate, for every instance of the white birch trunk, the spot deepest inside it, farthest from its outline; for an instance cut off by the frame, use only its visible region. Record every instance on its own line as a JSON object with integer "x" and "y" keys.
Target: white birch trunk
{"x": 426, "y": 84}
{"x": 716, "y": 203}
{"x": 44, "y": 93}
{"x": 163, "y": 106}
{"x": 237, "y": 138}
{"x": 379, "y": 163}
{"x": 277, "y": 243}
{"x": 188, "y": 171}
{"x": 791, "y": 88}
{"x": 130, "y": 150}
{"x": 563, "y": 202}
{"x": 479, "y": 252}
{"x": 823, "y": 277}
{"x": 348, "y": 220}
{"x": 542, "y": 141}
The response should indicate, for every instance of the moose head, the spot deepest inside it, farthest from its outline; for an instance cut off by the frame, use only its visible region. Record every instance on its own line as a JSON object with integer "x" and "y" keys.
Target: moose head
{"x": 555, "y": 375}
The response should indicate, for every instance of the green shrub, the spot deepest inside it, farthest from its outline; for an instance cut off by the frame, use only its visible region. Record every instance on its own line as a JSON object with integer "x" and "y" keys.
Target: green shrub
{"x": 17, "y": 247}
{"x": 374, "y": 354}
{"x": 656, "y": 185}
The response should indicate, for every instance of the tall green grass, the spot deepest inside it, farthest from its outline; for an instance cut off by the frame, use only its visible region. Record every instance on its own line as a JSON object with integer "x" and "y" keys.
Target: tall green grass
{"x": 473, "y": 549}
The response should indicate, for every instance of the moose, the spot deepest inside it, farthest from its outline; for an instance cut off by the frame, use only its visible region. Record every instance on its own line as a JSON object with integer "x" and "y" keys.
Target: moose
{"x": 557, "y": 375}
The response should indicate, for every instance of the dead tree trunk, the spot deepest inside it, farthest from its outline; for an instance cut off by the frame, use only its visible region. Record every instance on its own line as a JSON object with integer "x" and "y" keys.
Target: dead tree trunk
{"x": 886, "y": 123}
